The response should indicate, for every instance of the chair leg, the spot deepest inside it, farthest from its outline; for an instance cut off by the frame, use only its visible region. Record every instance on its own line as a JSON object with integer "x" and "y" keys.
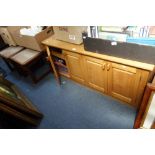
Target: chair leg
{"x": 8, "y": 64}
{"x": 30, "y": 73}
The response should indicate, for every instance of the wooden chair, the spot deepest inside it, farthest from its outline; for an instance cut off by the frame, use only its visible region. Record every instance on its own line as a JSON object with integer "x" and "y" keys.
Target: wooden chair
{"x": 7, "y": 53}
{"x": 25, "y": 59}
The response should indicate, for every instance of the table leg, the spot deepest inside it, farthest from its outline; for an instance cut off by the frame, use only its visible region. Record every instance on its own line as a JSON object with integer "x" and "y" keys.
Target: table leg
{"x": 53, "y": 66}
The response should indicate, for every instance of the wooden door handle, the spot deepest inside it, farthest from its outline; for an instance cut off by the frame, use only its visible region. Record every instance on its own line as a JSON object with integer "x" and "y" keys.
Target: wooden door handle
{"x": 108, "y": 67}
{"x": 103, "y": 66}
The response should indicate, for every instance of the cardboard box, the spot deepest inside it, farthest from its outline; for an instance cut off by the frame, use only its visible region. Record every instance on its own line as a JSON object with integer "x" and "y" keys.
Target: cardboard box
{"x": 33, "y": 42}
{"x": 72, "y": 34}
{"x": 6, "y": 34}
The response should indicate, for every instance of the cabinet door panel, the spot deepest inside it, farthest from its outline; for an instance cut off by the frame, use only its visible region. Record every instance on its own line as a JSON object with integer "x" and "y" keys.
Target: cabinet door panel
{"x": 123, "y": 82}
{"x": 96, "y": 73}
{"x": 74, "y": 62}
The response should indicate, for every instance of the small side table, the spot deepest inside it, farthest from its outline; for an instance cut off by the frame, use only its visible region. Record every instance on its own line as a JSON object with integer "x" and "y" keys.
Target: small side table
{"x": 7, "y": 53}
{"x": 25, "y": 59}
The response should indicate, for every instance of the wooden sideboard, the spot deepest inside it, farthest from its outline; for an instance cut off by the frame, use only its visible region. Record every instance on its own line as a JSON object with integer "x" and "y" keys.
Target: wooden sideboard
{"x": 120, "y": 78}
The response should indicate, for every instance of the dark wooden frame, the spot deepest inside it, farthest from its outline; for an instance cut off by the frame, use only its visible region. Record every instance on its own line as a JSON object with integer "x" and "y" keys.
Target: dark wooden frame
{"x": 19, "y": 107}
{"x": 149, "y": 88}
{"x": 25, "y": 69}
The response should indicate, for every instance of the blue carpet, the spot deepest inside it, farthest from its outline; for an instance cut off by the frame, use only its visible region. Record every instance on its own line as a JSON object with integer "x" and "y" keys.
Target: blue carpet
{"x": 72, "y": 105}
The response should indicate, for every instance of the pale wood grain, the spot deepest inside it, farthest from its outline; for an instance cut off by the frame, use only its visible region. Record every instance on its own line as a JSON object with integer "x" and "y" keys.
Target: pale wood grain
{"x": 51, "y": 41}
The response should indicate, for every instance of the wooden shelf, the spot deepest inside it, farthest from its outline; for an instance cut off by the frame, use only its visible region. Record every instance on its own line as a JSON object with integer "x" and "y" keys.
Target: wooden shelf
{"x": 64, "y": 74}
{"x": 60, "y": 64}
{"x": 59, "y": 55}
